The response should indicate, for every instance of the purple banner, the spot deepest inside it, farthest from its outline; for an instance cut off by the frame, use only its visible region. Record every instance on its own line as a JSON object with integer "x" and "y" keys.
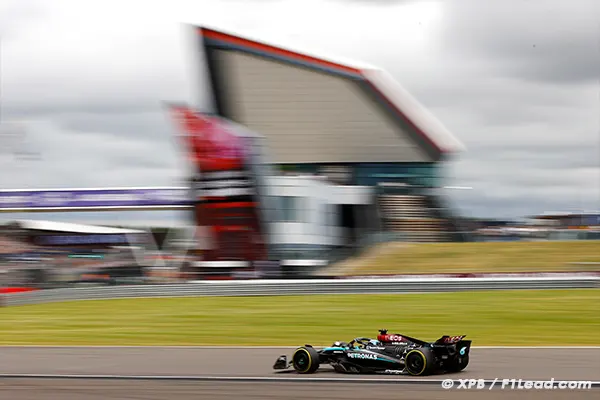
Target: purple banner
{"x": 39, "y": 200}
{"x": 53, "y": 240}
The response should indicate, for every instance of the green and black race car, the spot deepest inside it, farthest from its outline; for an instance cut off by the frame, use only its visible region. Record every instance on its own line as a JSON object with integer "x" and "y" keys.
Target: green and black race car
{"x": 388, "y": 354}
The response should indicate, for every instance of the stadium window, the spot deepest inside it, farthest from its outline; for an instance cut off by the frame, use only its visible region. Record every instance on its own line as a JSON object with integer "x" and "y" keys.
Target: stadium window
{"x": 328, "y": 218}
{"x": 323, "y": 214}
{"x": 290, "y": 208}
{"x": 303, "y": 207}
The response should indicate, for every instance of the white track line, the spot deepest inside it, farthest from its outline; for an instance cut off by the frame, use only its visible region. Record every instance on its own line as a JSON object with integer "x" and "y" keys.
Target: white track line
{"x": 255, "y": 347}
{"x": 218, "y": 378}
{"x": 404, "y": 381}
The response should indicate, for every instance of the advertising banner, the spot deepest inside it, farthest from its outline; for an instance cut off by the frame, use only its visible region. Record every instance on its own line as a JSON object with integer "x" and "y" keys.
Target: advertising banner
{"x": 55, "y": 200}
{"x": 78, "y": 240}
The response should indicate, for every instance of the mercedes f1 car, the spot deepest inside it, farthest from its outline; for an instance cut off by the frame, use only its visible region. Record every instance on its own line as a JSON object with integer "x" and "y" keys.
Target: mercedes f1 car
{"x": 388, "y": 354}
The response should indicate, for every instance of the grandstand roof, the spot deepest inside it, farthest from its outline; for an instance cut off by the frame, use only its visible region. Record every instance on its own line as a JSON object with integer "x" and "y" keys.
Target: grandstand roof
{"x": 72, "y": 228}
{"x": 564, "y": 214}
{"x": 313, "y": 108}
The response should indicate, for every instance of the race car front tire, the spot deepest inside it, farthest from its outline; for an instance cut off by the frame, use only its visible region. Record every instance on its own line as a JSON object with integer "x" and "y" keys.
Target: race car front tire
{"x": 419, "y": 362}
{"x": 305, "y": 360}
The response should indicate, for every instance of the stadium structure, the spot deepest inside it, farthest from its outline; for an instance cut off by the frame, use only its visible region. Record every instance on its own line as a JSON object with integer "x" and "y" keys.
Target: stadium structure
{"x": 568, "y": 220}
{"x": 301, "y": 156}
{"x": 37, "y": 253}
{"x": 59, "y": 235}
{"x": 350, "y": 152}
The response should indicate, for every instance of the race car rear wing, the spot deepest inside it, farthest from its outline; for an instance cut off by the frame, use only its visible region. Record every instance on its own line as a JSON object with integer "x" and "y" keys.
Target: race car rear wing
{"x": 450, "y": 339}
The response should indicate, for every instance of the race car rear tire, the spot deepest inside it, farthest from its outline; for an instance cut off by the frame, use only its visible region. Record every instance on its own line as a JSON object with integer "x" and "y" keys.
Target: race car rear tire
{"x": 305, "y": 360}
{"x": 459, "y": 364}
{"x": 419, "y": 362}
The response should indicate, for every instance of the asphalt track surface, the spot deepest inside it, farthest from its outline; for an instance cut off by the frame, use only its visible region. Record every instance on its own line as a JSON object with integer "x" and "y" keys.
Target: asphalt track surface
{"x": 220, "y": 373}
{"x": 15, "y": 389}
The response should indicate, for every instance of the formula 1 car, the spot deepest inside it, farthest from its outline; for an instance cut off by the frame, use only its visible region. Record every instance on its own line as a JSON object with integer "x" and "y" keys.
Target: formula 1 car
{"x": 388, "y": 354}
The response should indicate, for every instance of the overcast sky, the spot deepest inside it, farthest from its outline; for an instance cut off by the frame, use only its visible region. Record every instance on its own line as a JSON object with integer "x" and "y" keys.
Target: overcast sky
{"x": 517, "y": 81}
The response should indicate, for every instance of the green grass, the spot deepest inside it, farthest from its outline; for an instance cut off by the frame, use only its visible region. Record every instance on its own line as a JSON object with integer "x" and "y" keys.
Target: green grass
{"x": 481, "y": 257}
{"x": 548, "y": 317}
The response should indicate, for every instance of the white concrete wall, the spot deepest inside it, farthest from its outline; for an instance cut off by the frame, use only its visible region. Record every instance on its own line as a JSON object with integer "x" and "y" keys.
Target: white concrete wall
{"x": 317, "y": 219}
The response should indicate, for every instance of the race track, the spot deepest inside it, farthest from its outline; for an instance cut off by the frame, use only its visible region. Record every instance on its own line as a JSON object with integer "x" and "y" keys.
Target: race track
{"x": 250, "y": 374}
{"x": 61, "y": 389}
{"x": 527, "y": 363}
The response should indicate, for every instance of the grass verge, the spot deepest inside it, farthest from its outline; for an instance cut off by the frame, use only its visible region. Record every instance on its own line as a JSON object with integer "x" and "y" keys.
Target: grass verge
{"x": 547, "y": 317}
{"x": 482, "y": 257}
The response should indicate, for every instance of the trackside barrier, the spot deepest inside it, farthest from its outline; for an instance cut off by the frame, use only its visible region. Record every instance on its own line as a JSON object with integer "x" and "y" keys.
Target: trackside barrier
{"x": 300, "y": 287}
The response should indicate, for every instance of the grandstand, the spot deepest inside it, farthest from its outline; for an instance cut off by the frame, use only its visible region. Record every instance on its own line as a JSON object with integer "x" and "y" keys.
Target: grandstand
{"x": 568, "y": 220}
{"x": 65, "y": 247}
{"x": 338, "y": 127}
{"x": 333, "y": 156}
{"x": 63, "y": 235}
{"x": 9, "y": 245}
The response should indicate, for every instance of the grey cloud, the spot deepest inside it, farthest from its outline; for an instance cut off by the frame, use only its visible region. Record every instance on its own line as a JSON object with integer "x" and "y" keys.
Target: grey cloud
{"x": 537, "y": 179}
{"x": 369, "y": 2}
{"x": 561, "y": 158}
{"x": 531, "y": 130}
{"x": 377, "y": 2}
{"x": 18, "y": 15}
{"x": 515, "y": 157}
{"x": 479, "y": 86}
{"x": 514, "y": 197}
{"x": 150, "y": 125}
{"x": 502, "y": 208}
{"x": 553, "y": 138}
{"x": 71, "y": 160}
{"x": 55, "y": 95}
{"x": 551, "y": 40}
{"x": 124, "y": 75}
{"x": 146, "y": 158}
{"x": 507, "y": 178}
{"x": 88, "y": 107}
{"x": 514, "y": 126}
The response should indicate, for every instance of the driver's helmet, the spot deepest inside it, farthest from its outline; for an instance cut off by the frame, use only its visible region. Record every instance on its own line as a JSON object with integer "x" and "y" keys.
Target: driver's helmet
{"x": 374, "y": 342}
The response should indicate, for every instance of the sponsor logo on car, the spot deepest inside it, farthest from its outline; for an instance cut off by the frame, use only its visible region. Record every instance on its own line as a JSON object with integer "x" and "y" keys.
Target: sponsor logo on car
{"x": 363, "y": 356}
{"x": 393, "y": 371}
{"x": 452, "y": 339}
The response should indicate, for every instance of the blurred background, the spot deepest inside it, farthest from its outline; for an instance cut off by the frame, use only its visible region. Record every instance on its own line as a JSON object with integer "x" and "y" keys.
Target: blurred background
{"x": 460, "y": 124}
{"x": 281, "y": 172}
